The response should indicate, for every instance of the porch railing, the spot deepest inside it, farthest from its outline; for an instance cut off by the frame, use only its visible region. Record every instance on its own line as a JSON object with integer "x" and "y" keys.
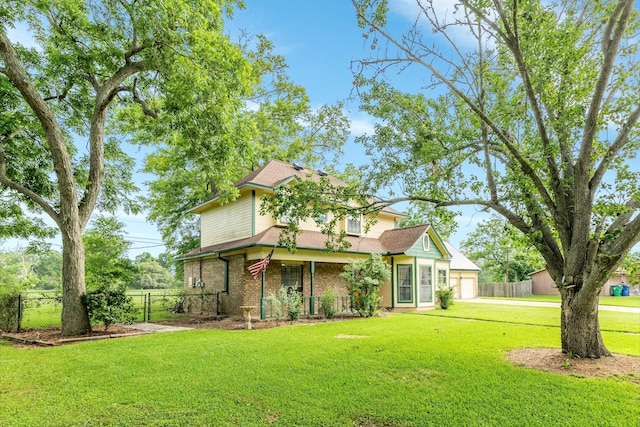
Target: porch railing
{"x": 309, "y": 306}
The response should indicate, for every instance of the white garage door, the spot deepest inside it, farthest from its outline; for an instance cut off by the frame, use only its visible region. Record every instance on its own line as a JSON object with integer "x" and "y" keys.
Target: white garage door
{"x": 467, "y": 288}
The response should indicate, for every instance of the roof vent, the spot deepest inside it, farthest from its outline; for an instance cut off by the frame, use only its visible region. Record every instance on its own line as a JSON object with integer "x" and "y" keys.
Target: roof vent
{"x": 297, "y": 167}
{"x": 322, "y": 173}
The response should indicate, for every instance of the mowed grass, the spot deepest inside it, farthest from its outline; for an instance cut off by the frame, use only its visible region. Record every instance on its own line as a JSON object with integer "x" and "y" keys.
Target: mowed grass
{"x": 543, "y": 316}
{"x": 629, "y": 301}
{"x": 399, "y": 370}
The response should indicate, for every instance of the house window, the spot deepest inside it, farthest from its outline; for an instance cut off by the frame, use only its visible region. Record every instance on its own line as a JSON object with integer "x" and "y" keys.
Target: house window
{"x": 426, "y": 243}
{"x": 354, "y": 224}
{"x": 426, "y": 284}
{"x": 442, "y": 278}
{"x": 321, "y": 218}
{"x": 404, "y": 283}
{"x": 291, "y": 277}
{"x": 288, "y": 218}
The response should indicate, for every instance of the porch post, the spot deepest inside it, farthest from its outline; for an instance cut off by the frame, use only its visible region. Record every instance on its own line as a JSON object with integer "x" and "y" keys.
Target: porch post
{"x": 416, "y": 284}
{"x": 312, "y": 302}
{"x": 263, "y": 305}
{"x": 393, "y": 286}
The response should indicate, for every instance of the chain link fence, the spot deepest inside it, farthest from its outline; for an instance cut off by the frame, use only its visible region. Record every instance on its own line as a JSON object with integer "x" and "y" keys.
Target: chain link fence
{"x": 40, "y": 311}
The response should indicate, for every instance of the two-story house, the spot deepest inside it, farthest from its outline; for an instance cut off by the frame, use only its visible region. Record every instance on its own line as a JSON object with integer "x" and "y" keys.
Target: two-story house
{"x": 236, "y": 235}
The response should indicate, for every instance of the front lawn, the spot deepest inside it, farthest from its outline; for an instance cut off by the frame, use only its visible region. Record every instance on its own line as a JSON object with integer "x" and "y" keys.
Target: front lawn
{"x": 400, "y": 370}
{"x": 543, "y": 316}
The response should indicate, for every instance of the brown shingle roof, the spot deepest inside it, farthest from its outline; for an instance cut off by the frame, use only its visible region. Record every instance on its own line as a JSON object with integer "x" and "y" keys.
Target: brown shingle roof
{"x": 276, "y": 172}
{"x": 305, "y": 240}
{"x": 400, "y": 240}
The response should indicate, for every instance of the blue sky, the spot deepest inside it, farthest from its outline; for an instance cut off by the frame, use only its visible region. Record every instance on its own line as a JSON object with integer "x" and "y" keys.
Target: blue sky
{"x": 318, "y": 39}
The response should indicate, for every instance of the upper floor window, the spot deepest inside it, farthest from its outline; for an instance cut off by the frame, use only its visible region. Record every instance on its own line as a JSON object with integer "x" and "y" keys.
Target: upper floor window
{"x": 354, "y": 224}
{"x": 288, "y": 218}
{"x": 321, "y": 218}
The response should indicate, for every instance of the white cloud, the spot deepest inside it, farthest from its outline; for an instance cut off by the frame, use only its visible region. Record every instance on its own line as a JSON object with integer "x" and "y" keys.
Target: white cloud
{"x": 445, "y": 11}
{"x": 20, "y": 34}
{"x": 361, "y": 124}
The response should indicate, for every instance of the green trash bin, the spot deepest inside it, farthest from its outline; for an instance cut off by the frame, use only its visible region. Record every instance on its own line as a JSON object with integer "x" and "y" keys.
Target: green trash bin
{"x": 616, "y": 290}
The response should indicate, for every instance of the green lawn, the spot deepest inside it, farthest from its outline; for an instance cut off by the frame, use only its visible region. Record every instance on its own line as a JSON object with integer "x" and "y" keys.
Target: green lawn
{"x": 406, "y": 370}
{"x": 542, "y": 316}
{"x": 630, "y": 301}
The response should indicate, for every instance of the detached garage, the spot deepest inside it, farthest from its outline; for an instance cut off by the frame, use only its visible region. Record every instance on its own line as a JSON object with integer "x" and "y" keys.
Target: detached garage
{"x": 463, "y": 274}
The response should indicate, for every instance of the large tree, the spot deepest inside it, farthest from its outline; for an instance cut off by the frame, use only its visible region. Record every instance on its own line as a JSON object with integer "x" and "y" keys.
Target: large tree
{"x": 164, "y": 63}
{"x": 525, "y": 108}
{"x": 537, "y": 121}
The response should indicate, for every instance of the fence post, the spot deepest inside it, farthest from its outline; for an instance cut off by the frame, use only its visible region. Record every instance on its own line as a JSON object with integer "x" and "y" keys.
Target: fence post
{"x": 149, "y": 307}
{"x": 144, "y": 308}
{"x": 19, "y": 313}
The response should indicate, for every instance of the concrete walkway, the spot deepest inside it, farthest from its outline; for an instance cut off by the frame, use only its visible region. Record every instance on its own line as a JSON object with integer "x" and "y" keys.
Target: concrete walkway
{"x": 155, "y": 327}
{"x": 547, "y": 304}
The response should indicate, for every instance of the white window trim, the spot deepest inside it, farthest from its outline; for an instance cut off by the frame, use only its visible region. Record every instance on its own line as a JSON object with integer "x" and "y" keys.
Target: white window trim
{"x": 426, "y": 242}
{"x": 354, "y": 217}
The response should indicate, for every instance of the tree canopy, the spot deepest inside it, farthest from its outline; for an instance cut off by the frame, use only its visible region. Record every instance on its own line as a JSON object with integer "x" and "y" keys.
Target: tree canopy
{"x": 101, "y": 73}
{"x": 502, "y": 252}
{"x": 528, "y": 109}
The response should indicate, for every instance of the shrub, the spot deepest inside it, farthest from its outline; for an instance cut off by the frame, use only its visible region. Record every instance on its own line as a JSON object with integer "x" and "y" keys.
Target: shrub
{"x": 276, "y": 306}
{"x": 444, "y": 296}
{"x": 293, "y": 305}
{"x": 327, "y": 304}
{"x": 286, "y": 303}
{"x": 363, "y": 280}
{"x": 110, "y": 304}
{"x": 9, "y": 311}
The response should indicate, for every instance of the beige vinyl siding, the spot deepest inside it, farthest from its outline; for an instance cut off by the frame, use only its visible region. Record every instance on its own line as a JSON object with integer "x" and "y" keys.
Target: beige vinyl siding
{"x": 228, "y": 222}
{"x": 384, "y": 223}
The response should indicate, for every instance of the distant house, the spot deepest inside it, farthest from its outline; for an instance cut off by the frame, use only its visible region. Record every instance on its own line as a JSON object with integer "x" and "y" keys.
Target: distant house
{"x": 236, "y": 235}
{"x": 543, "y": 284}
{"x": 463, "y": 273}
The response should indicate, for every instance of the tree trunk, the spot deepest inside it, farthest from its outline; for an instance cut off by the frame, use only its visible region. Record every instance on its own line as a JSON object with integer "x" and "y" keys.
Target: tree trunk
{"x": 580, "y": 328}
{"x": 75, "y": 320}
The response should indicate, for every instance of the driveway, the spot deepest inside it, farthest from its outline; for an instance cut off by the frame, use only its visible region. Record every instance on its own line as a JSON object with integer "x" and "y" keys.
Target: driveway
{"x": 548, "y": 304}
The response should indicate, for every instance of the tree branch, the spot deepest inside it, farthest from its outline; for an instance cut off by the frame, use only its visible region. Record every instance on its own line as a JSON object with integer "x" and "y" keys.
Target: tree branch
{"x": 621, "y": 140}
{"x": 55, "y": 139}
{"x": 4, "y": 179}
{"x": 104, "y": 95}
{"x": 505, "y": 138}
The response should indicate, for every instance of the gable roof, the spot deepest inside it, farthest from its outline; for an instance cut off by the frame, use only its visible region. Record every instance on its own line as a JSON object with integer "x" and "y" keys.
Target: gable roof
{"x": 459, "y": 261}
{"x": 400, "y": 240}
{"x": 275, "y": 173}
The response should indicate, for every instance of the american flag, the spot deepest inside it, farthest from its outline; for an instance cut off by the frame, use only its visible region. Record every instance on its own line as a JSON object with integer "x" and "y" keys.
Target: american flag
{"x": 260, "y": 266}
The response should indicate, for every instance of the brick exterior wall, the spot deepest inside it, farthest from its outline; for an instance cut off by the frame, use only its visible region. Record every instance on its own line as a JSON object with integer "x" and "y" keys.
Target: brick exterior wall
{"x": 328, "y": 276}
{"x": 245, "y": 290}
